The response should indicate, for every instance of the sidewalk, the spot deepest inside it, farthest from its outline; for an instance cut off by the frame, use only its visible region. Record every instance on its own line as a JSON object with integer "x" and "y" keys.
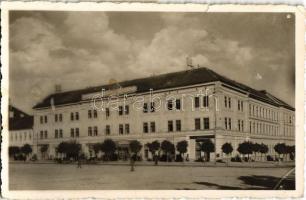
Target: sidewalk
{"x": 177, "y": 164}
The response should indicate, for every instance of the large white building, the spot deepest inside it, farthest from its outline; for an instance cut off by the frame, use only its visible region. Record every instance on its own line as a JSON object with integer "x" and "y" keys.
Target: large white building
{"x": 196, "y": 104}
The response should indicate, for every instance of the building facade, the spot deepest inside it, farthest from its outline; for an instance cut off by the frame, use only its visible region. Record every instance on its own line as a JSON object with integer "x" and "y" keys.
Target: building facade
{"x": 193, "y": 105}
{"x": 20, "y": 128}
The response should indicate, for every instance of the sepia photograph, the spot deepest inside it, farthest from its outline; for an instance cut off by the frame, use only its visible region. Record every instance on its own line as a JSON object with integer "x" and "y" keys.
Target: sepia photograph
{"x": 159, "y": 100}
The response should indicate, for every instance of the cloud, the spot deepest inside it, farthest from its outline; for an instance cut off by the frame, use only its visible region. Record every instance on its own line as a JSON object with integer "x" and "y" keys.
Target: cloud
{"x": 80, "y": 49}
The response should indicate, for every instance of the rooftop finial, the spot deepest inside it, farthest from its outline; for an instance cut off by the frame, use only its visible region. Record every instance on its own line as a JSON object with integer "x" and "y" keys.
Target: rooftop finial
{"x": 189, "y": 62}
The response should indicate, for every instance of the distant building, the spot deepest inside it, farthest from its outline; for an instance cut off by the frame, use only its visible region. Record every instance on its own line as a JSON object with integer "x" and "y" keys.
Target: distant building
{"x": 203, "y": 105}
{"x": 20, "y": 127}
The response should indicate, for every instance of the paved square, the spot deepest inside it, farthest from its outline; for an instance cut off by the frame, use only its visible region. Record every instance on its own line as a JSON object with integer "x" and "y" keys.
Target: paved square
{"x": 109, "y": 177}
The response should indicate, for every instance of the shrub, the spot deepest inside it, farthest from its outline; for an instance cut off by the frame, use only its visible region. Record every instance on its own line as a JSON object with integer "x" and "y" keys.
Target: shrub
{"x": 236, "y": 159}
{"x": 269, "y": 158}
{"x": 178, "y": 158}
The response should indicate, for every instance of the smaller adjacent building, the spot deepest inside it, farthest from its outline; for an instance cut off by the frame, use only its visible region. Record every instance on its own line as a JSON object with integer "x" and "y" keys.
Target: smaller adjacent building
{"x": 20, "y": 127}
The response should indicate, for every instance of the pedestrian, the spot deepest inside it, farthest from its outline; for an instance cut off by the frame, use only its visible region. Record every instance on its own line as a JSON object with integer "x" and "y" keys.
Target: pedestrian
{"x": 79, "y": 163}
{"x": 133, "y": 159}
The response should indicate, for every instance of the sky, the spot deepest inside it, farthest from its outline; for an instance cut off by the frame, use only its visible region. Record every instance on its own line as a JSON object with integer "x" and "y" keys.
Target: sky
{"x": 83, "y": 49}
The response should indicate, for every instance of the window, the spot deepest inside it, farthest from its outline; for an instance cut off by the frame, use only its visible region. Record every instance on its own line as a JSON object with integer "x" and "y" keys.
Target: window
{"x": 238, "y": 124}
{"x": 89, "y": 114}
{"x": 61, "y": 133}
{"x": 206, "y": 123}
{"x": 30, "y": 136}
{"x": 120, "y": 129}
{"x": 107, "y": 130}
{"x": 178, "y": 104}
{"x": 120, "y": 110}
{"x": 72, "y": 132}
{"x": 107, "y": 113}
{"x": 145, "y": 107}
{"x": 170, "y": 105}
{"x": 197, "y": 124}
{"x": 178, "y": 125}
{"x": 77, "y": 116}
{"x": 242, "y": 125}
{"x": 95, "y": 131}
{"x": 60, "y": 117}
{"x": 152, "y": 106}
{"x": 225, "y": 102}
{"x": 46, "y": 119}
{"x": 56, "y": 133}
{"x": 229, "y": 102}
{"x": 250, "y": 127}
{"x": 152, "y": 127}
{"x": 229, "y": 123}
{"x": 41, "y": 119}
{"x": 126, "y": 110}
{"x": 41, "y": 135}
{"x": 170, "y": 126}
{"x": 89, "y": 131}
{"x": 205, "y": 101}
{"x": 238, "y": 104}
{"x": 145, "y": 127}
{"x": 241, "y": 105}
{"x": 95, "y": 114}
{"x": 196, "y": 102}
{"x": 225, "y": 123}
{"x": 77, "y": 132}
{"x": 55, "y": 118}
{"x": 46, "y": 134}
{"x": 127, "y": 129}
{"x": 71, "y": 116}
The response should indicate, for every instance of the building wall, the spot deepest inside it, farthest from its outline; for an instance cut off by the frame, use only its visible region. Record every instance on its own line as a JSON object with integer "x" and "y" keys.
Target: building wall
{"x": 216, "y": 111}
{"x": 21, "y": 137}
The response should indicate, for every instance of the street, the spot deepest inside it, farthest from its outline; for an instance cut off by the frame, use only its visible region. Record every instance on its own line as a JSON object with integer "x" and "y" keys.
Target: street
{"x": 109, "y": 177}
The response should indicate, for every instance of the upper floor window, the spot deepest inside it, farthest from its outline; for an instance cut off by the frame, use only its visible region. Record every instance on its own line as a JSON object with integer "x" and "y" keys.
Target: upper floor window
{"x": 225, "y": 101}
{"x": 89, "y": 114}
{"x": 145, "y": 107}
{"x": 107, "y": 130}
{"x": 120, "y": 110}
{"x": 71, "y": 116}
{"x": 41, "y": 119}
{"x": 72, "y": 132}
{"x": 46, "y": 134}
{"x": 229, "y": 102}
{"x": 95, "y": 133}
{"x": 225, "y": 122}
{"x": 170, "y": 126}
{"x": 41, "y": 136}
{"x": 170, "y": 105}
{"x": 127, "y": 128}
{"x": 55, "y": 117}
{"x": 61, "y": 133}
{"x": 178, "y": 125}
{"x": 56, "y": 133}
{"x": 77, "y": 116}
{"x": 152, "y": 127}
{"x": 60, "y": 117}
{"x": 228, "y": 123}
{"x": 205, "y": 101}
{"x": 95, "y": 113}
{"x": 206, "y": 123}
{"x": 178, "y": 104}
{"x": 197, "y": 124}
{"x": 107, "y": 113}
{"x": 77, "y": 132}
{"x": 196, "y": 102}
{"x": 152, "y": 106}
{"x": 46, "y": 118}
{"x": 120, "y": 129}
{"x": 126, "y": 109}
{"x": 89, "y": 131}
{"x": 145, "y": 127}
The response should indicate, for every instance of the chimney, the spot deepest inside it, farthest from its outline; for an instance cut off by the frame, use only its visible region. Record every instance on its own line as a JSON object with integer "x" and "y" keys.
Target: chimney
{"x": 58, "y": 88}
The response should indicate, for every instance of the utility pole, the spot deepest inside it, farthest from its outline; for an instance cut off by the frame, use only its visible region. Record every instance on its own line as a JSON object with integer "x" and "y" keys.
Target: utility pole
{"x": 215, "y": 121}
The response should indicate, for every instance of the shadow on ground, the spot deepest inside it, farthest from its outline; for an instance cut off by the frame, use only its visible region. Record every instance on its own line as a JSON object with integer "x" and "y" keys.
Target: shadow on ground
{"x": 254, "y": 183}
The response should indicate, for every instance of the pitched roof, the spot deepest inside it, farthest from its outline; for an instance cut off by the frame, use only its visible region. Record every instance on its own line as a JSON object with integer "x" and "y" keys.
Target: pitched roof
{"x": 163, "y": 81}
{"x": 19, "y": 119}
